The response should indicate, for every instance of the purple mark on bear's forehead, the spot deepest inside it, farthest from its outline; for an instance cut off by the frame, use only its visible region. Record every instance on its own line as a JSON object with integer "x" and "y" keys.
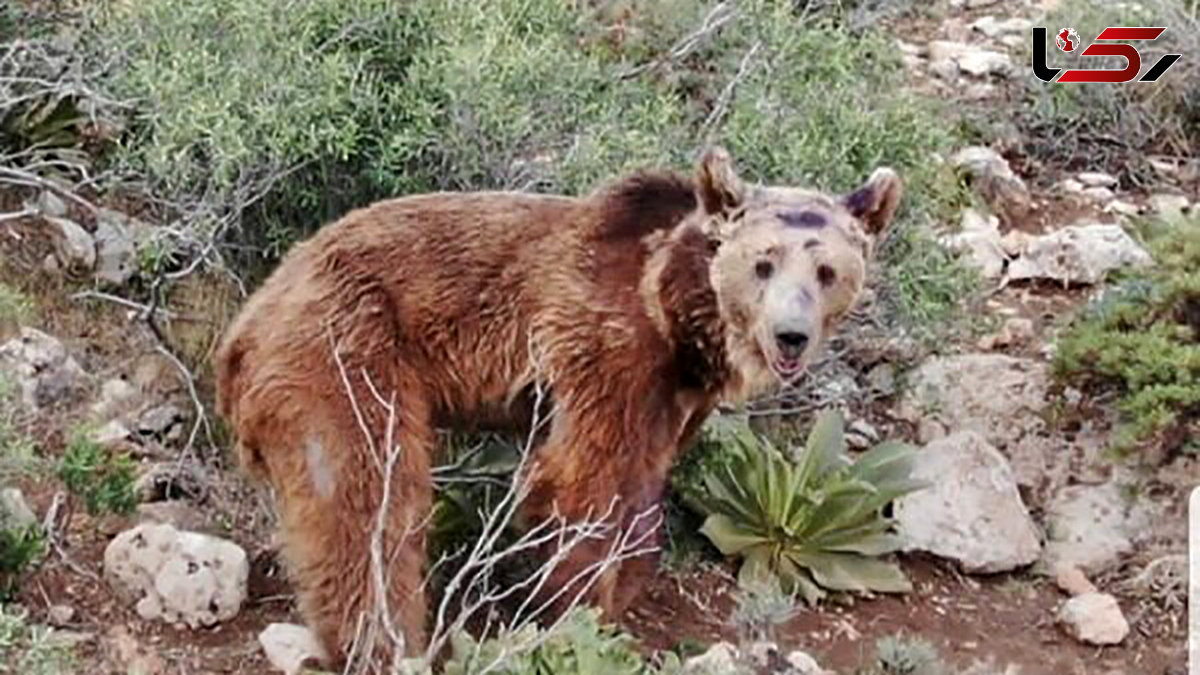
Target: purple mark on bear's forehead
{"x": 804, "y": 218}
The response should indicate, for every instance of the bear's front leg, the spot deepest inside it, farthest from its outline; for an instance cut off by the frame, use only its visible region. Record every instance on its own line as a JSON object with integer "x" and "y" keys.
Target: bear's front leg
{"x": 605, "y": 468}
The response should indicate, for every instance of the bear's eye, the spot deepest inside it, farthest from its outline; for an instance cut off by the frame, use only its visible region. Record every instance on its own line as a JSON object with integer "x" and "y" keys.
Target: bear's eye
{"x": 764, "y": 269}
{"x": 826, "y": 275}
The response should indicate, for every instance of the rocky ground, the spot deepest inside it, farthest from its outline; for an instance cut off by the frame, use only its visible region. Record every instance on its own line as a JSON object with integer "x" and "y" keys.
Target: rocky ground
{"x": 1033, "y": 550}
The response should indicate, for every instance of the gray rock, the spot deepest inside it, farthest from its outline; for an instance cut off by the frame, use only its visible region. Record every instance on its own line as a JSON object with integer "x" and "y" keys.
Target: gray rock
{"x": 1082, "y": 254}
{"x": 973, "y": 60}
{"x": 720, "y": 659}
{"x": 980, "y": 242}
{"x": 117, "y": 396}
{"x": 111, "y": 434}
{"x": 14, "y": 510}
{"x": 165, "y": 481}
{"x": 73, "y": 245}
{"x": 994, "y": 180}
{"x": 60, "y": 615}
{"x": 971, "y": 512}
{"x": 1097, "y": 179}
{"x": 1094, "y": 618}
{"x": 1092, "y": 526}
{"x": 41, "y": 368}
{"x": 1101, "y": 195}
{"x": 49, "y": 204}
{"x": 290, "y": 648}
{"x": 997, "y": 28}
{"x": 995, "y": 395}
{"x": 116, "y": 254}
{"x": 860, "y": 434}
{"x": 178, "y": 576}
{"x": 1168, "y": 205}
{"x": 157, "y": 421}
{"x": 1071, "y": 580}
{"x": 174, "y": 512}
{"x": 803, "y": 664}
{"x": 881, "y": 379}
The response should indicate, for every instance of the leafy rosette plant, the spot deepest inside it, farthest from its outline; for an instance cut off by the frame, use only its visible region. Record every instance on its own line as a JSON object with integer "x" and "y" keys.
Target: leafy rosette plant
{"x": 816, "y": 521}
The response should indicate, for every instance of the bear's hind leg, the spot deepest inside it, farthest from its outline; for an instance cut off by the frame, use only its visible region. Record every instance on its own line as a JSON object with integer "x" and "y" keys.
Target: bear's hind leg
{"x": 348, "y": 532}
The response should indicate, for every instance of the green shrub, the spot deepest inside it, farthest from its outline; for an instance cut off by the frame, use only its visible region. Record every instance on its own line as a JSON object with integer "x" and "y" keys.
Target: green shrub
{"x": 374, "y": 98}
{"x": 1141, "y": 339}
{"x": 20, "y": 548}
{"x": 1116, "y": 127}
{"x": 30, "y": 649}
{"x": 101, "y": 478}
{"x": 579, "y": 645}
{"x": 17, "y": 452}
{"x": 814, "y": 523}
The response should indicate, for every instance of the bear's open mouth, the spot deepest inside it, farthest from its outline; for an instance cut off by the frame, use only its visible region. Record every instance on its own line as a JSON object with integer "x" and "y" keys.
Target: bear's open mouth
{"x": 788, "y": 369}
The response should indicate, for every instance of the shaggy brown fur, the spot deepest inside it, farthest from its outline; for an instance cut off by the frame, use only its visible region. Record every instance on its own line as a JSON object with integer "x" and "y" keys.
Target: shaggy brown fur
{"x": 639, "y": 308}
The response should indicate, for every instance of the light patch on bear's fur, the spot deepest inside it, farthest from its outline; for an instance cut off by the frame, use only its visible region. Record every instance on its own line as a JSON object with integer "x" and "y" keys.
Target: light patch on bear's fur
{"x": 318, "y": 468}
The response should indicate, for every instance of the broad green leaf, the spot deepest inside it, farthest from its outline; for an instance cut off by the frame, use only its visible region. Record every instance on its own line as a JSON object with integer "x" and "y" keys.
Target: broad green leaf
{"x": 728, "y": 536}
{"x": 852, "y": 572}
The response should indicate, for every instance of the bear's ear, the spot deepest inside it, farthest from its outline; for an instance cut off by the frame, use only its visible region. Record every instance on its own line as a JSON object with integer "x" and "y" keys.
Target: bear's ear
{"x": 874, "y": 204}
{"x": 718, "y": 187}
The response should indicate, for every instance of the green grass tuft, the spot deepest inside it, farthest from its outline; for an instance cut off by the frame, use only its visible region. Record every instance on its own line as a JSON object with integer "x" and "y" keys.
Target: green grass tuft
{"x": 102, "y": 478}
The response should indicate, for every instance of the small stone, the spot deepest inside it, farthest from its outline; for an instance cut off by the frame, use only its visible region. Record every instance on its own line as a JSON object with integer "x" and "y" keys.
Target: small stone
{"x": 994, "y": 180}
{"x": 979, "y": 239}
{"x": 42, "y": 369}
{"x": 1016, "y": 331}
{"x": 862, "y": 434}
{"x": 929, "y": 430}
{"x": 720, "y": 659}
{"x": 1094, "y": 618}
{"x": 882, "y": 379}
{"x": 111, "y": 434}
{"x": 116, "y": 397}
{"x": 1097, "y": 179}
{"x": 995, "y": 28}
{"x": 1071, "y": 580}
{"x": 945, "y": 69}
{"x": 49, "y": 204}
{"x": 1070, "y": 186}
{"x": 14, "y": 510}
{"x": 73, "y": 245}
{"x": 50, "y": 265}
{"x": 60, "y": 615}
{"x": 290, "y": 648}
{"x": 116, "y": 254}
{"x": 177, "y": 513}
{"x": 157, "y": 421}
{"x": 803, "y": 664}
{"x": 165, "y": 481}
{"x": 1101, "y": 195}
{"x": 1168, "y": 205}
{"x": 1123, "y": 208}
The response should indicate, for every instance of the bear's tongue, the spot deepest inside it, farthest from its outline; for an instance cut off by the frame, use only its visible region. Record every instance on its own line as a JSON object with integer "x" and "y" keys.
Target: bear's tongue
{"x": 788, "y": 367}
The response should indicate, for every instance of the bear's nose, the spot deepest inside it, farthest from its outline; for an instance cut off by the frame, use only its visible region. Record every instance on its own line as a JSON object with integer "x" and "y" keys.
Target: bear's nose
{"x": 791, "y": 343}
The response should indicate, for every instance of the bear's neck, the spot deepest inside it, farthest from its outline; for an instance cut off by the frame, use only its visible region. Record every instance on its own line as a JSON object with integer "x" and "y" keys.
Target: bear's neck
{"x": 689, "y": 315}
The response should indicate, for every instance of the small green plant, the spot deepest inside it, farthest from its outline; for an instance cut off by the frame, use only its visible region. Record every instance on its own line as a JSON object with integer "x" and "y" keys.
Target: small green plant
{"x": 20, "y": 547}
{"x": 815, "y": 522}
{"x": 579, "y": 645}
{"x": 30, "y": 649}
{"x": 1142, "y": 339}
{"x": 761, "y": 607}
{"x": 901, "y": 655}
{"x": 103, "y": 479}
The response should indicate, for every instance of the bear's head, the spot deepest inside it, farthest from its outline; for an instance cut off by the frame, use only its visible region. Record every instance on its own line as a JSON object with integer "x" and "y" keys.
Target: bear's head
{"x": 788, "y": 265}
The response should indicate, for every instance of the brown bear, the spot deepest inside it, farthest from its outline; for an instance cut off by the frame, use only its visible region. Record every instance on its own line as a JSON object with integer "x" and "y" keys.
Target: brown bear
{"x": 637, "y": 309}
